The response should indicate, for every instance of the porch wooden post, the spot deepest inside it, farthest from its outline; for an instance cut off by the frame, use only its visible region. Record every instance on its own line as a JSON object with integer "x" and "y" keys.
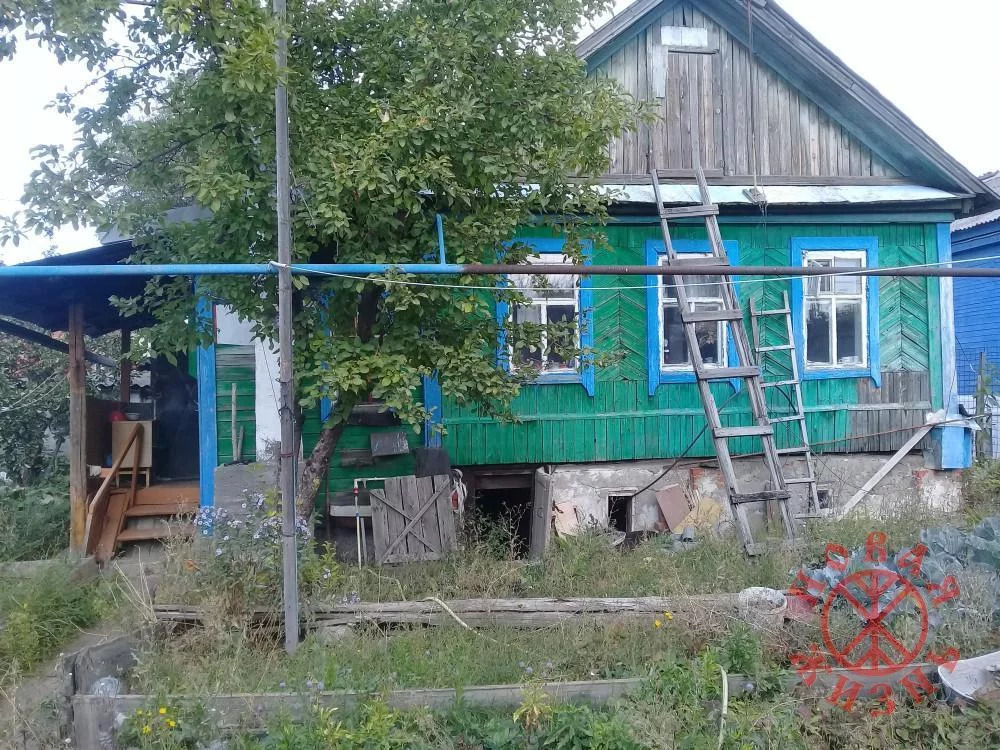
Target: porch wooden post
{"x": 77, "y": 432}
{"x": 125, "y": 386}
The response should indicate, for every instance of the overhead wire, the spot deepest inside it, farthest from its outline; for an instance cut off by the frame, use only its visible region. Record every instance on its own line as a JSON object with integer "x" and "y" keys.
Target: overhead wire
{"x": 300, "y": 268}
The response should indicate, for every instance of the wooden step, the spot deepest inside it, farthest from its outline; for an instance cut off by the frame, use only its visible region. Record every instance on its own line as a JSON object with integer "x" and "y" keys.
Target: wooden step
{"x": 781, "y": 348}
{"x": 738, "y": 432}
{"x": 727, "y": 373}
{"x": 167, "y": 493}
{"x": 793, "y": 418}
{"x": 713, "y": 260}
{"x": 165, "y": 509}
{"x": 769, "y": 313}
{"x": 800, "y": 480}
{"x": 688, "y": 212}
{"x": 792, "y": 451}
{"x": 711, "y": 316}
{"x": 159, "y": 531}
{"x": 760, "y": 497}
{"x": 780, "y": 383}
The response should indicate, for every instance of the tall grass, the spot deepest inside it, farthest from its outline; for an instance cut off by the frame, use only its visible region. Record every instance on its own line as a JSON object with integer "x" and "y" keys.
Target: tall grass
{"x": 39, "y": 615}
{"x": 34, "y": 520}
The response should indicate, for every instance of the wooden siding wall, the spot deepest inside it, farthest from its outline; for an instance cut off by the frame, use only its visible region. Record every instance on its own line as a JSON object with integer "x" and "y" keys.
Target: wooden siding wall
{"x": 340, "y": 477}
{"x": 561, "y": 423}
{"x": 235, "y": 365}
{"x": 793, "y": 137}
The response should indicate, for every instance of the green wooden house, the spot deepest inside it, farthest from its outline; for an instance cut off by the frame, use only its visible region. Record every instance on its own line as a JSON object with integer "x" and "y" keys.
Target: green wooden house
{"x": 809, "y": 165}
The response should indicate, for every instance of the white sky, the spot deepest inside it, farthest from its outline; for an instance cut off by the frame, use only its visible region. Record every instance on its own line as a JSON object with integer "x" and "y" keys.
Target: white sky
{"x": 938, "y": 66}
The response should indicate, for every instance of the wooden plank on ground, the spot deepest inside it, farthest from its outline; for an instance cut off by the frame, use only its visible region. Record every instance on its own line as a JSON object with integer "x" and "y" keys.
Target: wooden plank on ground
{"x": 884, "y": 471}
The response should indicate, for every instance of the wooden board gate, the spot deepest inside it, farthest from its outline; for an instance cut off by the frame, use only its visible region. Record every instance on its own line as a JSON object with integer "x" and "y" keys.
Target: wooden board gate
{"x": 412, "y": 519}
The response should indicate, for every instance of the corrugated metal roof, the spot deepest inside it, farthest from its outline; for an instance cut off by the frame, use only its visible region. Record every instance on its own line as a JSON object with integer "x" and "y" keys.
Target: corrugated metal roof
{"x": 992, "y": 181}
{"x": 789, "y": 195}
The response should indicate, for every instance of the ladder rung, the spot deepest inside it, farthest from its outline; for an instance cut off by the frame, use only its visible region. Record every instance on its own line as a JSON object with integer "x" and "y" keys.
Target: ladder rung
{"x": 801, "y": 451}
{"x": 712, "y": 260}
{"x": 782, "y": 348}
{"x": 738, "y": 432}
{"x": 800, "y": 480}
{"x": 793, "y": 418}
{"x": 766, "y": 313}
{"x": 711, "y": 316}
{"x": 687, "y": 212}
{"x": 760, "y": 497}
{"x": 780, "y": 383}
{"x": 728, "y": 373}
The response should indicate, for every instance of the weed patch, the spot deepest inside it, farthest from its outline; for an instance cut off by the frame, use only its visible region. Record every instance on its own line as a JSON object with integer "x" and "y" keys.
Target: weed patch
{"x": 34, "y": 520}
{"x": 39, "y": 615}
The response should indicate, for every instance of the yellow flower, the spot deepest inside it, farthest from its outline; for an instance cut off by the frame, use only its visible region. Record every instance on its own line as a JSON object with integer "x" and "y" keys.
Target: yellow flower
{"x": 163, "y": 711}
{"x": 147, "y": 729}
{"x": 657, "y": 624}
{"x": 138, "y": 712}
{"x": 171, "y": 723}
{"x": 668, "y": 615}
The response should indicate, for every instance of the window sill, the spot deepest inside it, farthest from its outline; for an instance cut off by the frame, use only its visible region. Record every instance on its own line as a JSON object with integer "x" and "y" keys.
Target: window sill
{"x": 687, "y": 376}
{"x": 585, "y": 379}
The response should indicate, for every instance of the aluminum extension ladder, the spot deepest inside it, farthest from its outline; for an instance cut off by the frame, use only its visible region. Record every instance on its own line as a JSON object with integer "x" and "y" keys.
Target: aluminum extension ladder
{"x": 779, "y": 360}
{"x": 745, "y": 370}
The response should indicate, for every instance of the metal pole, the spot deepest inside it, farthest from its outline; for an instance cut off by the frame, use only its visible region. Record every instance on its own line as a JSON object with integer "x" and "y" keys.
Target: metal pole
{"x": 289, "y": 553}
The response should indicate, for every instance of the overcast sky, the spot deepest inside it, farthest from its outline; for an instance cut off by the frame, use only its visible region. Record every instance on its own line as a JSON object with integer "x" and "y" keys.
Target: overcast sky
{"x": 937, "y": 66}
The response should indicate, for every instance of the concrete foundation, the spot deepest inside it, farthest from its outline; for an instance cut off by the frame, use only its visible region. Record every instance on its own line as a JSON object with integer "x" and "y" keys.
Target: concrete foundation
{"x": 233, "y": 483}
{"x": 584, "y": 489}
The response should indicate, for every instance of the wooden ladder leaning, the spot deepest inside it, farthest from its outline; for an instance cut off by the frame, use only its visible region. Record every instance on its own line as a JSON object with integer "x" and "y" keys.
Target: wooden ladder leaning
{"x": 780, "y": 361}
{"x": 745, "y": 370}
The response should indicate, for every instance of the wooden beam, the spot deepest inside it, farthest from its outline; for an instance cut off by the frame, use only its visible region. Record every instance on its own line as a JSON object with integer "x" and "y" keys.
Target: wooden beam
{"x": 125, "y": 373}
{"x": 884, "y": 471}
{"x": 77, "y": 432}
{"x": 37, "y": 337}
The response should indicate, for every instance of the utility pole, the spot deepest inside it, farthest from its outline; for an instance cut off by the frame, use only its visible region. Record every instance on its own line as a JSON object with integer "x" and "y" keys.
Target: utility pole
{"x": 289, "y": 555}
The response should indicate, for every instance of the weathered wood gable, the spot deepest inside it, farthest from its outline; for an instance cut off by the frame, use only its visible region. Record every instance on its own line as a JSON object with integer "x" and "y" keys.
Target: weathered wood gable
{"x": 748, "y": 114}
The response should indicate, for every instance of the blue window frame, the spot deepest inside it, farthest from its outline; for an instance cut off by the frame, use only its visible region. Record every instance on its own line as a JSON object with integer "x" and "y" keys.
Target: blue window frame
{"x": 658, "y": 371}
{"x": 584, "y": 372}
{"x": 836, "y": 319}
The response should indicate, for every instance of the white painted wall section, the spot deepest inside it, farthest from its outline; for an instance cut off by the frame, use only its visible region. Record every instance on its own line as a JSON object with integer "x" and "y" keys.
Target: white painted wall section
{"x": 229, "y": 329}
{"x": 266, "y": 398}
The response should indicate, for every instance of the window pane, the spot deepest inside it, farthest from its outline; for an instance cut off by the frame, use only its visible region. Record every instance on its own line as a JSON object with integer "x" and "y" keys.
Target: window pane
{"x": 559, "y": 314}
{"x": 703, "y": 286}
{"x": 539, "y": 286}
{"x": 818, "y": 333}
{"x": 850, "y": 344}
{"x": 848, "y": 284}
{"x": 710, "y": 335}
{"x": 527, "y": 314}
{"x": 674, "y": 344}
{"x": 524, "y": 356}
{"x": 818, "y": 284}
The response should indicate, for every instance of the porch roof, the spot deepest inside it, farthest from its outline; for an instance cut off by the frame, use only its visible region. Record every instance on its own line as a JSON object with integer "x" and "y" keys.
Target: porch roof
{"x": 45, "y": 301}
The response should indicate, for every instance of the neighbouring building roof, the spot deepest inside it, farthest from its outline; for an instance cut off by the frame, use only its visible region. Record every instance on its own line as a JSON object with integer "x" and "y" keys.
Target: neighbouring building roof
{"x": 992, "y": 181}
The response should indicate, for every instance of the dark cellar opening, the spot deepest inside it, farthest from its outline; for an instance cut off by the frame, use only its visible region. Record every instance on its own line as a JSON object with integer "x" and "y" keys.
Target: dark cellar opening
{"x": 620, "y": 512}
{"x": 507, "y": 501}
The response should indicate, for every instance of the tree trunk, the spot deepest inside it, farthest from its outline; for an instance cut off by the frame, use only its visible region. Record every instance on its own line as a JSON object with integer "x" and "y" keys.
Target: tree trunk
{"x": 315, "y": 467}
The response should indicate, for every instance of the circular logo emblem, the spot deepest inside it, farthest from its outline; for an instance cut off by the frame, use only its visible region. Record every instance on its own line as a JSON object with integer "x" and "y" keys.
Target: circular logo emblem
{"x": 875, "y": 618}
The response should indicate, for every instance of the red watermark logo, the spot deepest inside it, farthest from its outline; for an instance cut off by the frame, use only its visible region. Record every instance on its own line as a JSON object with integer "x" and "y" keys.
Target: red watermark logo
{"x": 876, "y": 620}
